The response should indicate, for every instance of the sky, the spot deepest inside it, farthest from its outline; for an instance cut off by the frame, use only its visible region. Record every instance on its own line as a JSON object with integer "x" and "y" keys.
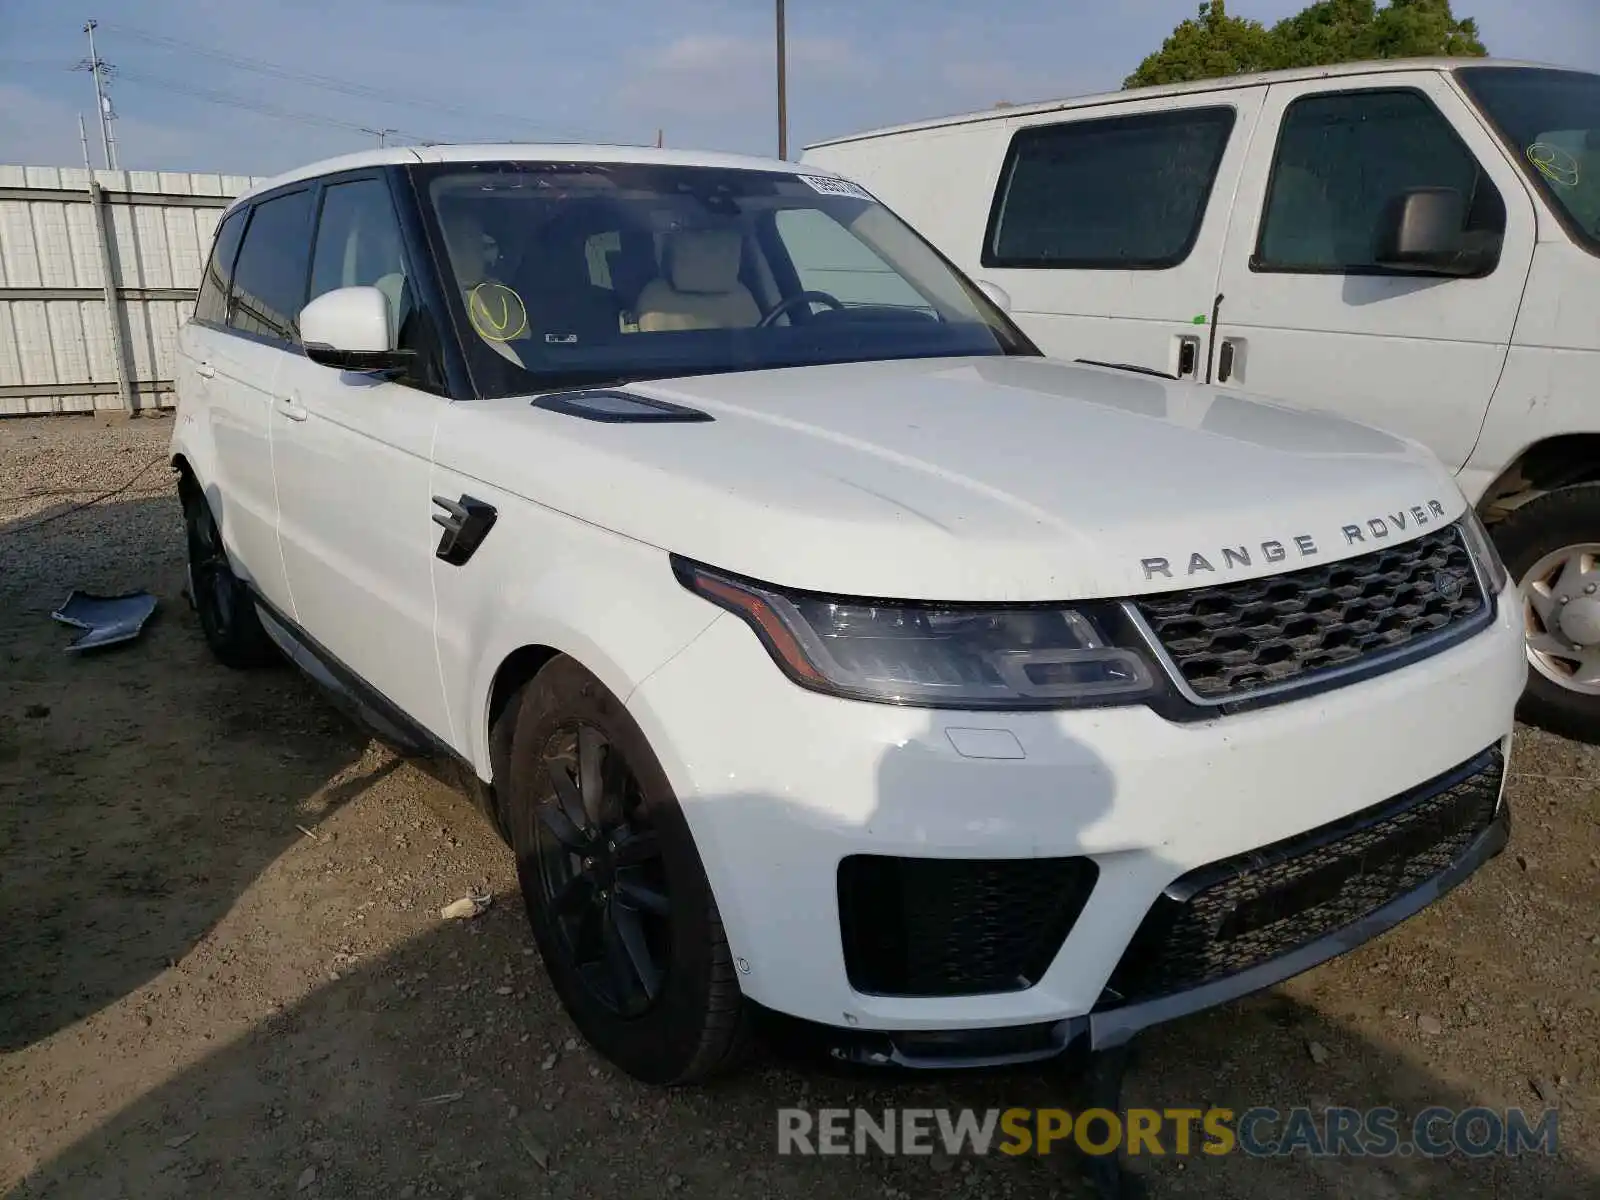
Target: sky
{"x": 602, "y": 70}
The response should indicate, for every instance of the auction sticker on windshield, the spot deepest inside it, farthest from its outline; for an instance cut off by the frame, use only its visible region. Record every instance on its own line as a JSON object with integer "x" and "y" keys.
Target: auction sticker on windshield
{"x": 829, "y": 185}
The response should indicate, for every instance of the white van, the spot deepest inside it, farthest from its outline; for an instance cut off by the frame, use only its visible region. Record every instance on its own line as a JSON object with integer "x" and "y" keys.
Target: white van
{"x": 1415, "y": 244}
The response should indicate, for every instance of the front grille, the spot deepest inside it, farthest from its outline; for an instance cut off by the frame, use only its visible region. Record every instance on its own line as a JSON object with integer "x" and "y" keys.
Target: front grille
{"x": 1242, "y": 912}
{"x": 956, "y": 927}
{"x": 1236, "y": 638}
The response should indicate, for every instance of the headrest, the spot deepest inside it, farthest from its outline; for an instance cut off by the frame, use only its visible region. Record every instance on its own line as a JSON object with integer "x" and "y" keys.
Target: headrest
{"x": 704, "y": 260}
{"x": 464, "y": 237}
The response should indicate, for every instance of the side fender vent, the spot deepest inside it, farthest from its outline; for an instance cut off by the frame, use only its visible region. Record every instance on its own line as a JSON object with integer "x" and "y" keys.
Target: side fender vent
{"x": 617, "y": 408}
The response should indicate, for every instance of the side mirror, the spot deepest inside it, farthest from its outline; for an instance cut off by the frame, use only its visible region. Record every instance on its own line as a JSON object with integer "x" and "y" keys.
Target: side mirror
{"x": 350, "y": 329}
{"x": 1423, "y": 231}
{"x": 995, "y": 292}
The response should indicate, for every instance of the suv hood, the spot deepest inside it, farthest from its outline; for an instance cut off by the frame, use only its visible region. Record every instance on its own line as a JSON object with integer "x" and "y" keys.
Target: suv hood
{"x": 966, "y": 479}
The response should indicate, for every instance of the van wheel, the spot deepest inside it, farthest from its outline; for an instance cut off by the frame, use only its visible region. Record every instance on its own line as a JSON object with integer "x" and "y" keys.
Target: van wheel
{"x": 224, "y": 605}
{"x": 619, "y": 902}
{"x": 1551, "y": 546}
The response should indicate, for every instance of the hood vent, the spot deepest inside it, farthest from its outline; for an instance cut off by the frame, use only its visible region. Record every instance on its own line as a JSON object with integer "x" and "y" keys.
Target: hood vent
{"x": 617, "y": 408}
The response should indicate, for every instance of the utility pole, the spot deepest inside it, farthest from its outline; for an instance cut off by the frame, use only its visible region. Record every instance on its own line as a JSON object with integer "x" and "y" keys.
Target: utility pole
{"x": 101, "y": 104}
{"x": 83, "y": 139}
{"x": 659, "y": 142}
{"x": 783, "y": 89}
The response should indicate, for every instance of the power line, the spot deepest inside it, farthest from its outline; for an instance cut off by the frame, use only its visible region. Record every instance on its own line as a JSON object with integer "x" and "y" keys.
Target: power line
{"x": 269, "y": 110}
{"x": 325, "y": 82}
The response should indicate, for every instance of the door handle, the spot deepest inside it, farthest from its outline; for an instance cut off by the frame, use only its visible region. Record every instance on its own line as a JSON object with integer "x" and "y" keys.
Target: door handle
{"x": 1225, "y": 361}
{"x": 291, "y": 407}
{"x": 1188, "y": 355}
{"x": 205, "y": 371}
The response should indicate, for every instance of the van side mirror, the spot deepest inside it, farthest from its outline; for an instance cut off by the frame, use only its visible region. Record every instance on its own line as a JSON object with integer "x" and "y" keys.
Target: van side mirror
{"x": 1423, "y": 232}
{"x": 350, "y": 329}
{"x": 996, "y": 293}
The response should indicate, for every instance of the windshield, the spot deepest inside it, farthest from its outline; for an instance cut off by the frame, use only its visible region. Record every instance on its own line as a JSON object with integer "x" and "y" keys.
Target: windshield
{"x": 568, "y": 274}
{"x": 1552, "y": 120}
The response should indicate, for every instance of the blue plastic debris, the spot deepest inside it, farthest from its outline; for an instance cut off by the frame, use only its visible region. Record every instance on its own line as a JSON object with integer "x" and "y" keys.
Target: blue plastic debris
{"x": 108, "y": 619}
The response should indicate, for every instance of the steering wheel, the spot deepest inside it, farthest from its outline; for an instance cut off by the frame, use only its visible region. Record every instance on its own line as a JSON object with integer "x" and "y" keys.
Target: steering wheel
{"x": 799, "y": 298}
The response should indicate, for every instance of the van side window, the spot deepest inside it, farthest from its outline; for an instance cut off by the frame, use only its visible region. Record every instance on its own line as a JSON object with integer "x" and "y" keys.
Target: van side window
{"x": 269, "y": 279}
{"x": 1123, "y": 193}
{"x": 1341, "y": 158}
{"x": 211, "y": 305}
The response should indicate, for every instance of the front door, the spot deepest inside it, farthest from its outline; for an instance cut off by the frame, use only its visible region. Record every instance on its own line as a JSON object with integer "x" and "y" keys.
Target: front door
{"x": 1308, "y": 316}
{"x": 352, "y": 459}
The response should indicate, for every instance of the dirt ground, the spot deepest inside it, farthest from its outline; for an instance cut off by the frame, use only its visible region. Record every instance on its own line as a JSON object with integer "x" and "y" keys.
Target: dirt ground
{"x": 223, "y": 972}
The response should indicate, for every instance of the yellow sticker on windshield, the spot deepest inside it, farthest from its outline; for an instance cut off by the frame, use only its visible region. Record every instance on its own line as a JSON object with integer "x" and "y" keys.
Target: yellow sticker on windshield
{"x": 496, "y": 312}
{"x": 1554, "y": 163}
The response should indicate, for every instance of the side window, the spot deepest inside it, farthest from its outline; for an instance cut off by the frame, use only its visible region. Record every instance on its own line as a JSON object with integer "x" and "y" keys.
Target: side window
{"x": 269, "y": 279}
{"x": 829, "y": 258}
{"x": 211, "y": 305}
{"x": 1114, "y": 194}
{"x": 1341, "y": 158}
{"x": 358, "y": 244}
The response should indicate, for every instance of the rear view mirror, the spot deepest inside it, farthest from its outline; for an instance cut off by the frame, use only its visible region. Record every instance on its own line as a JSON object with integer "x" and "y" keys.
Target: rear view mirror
{"x": 1423, "y": 231}
{"x": 350, "y": 328}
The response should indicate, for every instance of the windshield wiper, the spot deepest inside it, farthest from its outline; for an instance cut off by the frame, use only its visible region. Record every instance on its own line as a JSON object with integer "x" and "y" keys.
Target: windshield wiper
{"x": 1119, "y": 366}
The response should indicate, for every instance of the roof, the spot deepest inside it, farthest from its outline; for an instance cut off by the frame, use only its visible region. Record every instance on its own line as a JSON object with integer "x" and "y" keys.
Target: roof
{"x": 518, "y": 152}
{"x": 1224, "y": 83}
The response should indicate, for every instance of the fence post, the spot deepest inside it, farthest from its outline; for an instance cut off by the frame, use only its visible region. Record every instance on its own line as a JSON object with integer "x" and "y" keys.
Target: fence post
{"x": 119, "y": 354}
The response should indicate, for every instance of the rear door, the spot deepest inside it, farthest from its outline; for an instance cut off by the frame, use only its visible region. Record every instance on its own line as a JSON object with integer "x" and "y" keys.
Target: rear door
{"x": 241, "y": 364}
{"x": 1309, "y": 318}
{"x": 1107, "y": 227}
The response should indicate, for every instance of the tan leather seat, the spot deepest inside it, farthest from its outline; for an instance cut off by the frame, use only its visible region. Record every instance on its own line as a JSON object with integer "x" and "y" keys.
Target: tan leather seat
{"x": 700, "y": 288}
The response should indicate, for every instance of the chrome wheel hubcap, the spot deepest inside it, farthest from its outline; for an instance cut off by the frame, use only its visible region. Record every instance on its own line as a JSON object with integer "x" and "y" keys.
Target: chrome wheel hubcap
{"x": 1561, "y": 614}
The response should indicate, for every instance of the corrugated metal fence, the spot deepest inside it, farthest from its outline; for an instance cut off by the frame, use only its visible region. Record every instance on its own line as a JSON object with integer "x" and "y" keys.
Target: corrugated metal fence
{"x": 61, "y": 233}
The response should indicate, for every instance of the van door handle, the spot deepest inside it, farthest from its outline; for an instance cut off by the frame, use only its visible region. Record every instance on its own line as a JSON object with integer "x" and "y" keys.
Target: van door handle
{"x": 1225, "y": 361}
{"x": 291, "y": 407}
{"x": 206, "y": 371}
{"x": 1188, "y": 356}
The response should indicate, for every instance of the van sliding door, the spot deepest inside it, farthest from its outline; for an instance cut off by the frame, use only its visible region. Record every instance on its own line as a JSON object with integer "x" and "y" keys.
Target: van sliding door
{"x": 1108, "y": 223}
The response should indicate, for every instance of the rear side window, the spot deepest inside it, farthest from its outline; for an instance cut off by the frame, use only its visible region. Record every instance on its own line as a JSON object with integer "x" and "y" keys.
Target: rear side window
{"x": 1341, "y": 158}
{"x": 211, "y": 305}
{"x": 1124, "y": 193}
{"x": 269, "y": 280}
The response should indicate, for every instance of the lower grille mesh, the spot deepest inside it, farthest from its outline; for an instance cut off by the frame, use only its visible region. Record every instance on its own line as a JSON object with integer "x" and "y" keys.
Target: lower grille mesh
{"x": 954, "y": 927}
{"x": 1245, "y": 911}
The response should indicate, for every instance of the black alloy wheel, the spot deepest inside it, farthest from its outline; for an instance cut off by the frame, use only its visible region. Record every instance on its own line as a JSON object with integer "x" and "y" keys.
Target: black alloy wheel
{"x": 601, "y": 873}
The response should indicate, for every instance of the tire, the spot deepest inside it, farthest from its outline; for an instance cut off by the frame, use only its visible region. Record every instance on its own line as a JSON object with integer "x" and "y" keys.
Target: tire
{"x": 1533, "y": 535}
{"x": 224, "y": 605}
{"x": 626, "y": 923}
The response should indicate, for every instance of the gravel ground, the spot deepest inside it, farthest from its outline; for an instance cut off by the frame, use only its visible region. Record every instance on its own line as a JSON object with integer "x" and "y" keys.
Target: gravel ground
{"x": 225, "y": 972}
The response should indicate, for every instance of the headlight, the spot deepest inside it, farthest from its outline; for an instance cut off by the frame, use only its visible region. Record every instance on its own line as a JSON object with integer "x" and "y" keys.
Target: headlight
{"x": 1482, "y": 548}
{"x": 932, "y": 655}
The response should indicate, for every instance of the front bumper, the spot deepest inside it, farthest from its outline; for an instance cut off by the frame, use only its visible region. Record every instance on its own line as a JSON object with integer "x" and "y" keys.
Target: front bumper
{"x": 780, "y": 786}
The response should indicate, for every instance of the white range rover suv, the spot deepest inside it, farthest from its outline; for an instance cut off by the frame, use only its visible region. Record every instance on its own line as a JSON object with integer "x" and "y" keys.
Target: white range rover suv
{"x": 818, "y": 646}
